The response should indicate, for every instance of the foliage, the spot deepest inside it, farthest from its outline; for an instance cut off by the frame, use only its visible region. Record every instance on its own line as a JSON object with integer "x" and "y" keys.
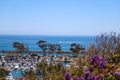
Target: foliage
{"x": 30, "y": 75}
{"x": 76, "y": 48}
{"x": 51, "y": 71}
{"x": 3, "y": 78}
{"x": 107, "y": 45}
{"x": 43, "y": 45}
{"x": 98, "y": 69}
{"x": 20, "y": 47}
{"x": 41, "y": 68}
{"x": 46, "y": 71}
{"x": 3, "y": 73}
{"x": 54, "y": 47}
{"x": 48, "y": 46}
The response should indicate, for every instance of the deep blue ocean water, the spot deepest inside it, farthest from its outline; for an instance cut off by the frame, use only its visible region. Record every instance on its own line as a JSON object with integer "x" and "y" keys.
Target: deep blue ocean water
{"x": 65, "y": 41}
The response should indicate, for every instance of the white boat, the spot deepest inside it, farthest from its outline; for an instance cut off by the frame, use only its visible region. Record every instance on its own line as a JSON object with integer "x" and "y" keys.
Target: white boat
{"x": 67, "y": 65}
{"x": 16, "y": 66}
{"x": 9, "y": 77}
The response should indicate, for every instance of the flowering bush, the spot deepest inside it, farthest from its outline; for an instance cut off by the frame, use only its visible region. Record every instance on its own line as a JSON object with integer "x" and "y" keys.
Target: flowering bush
{"x": 98, "y": 69}
{"x": 98, "y": 61}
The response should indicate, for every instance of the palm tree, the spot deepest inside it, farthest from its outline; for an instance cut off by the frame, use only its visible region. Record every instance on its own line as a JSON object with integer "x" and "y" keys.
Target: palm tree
{"x": 76, "y": 48}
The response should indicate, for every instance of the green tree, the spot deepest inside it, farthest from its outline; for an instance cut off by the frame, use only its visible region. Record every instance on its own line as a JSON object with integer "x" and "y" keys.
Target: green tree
{"x": 76, "y": 48}
{"x": 52, "y": 48}
{"x": 43, "y": 45}
{"x": 19, "y": 46}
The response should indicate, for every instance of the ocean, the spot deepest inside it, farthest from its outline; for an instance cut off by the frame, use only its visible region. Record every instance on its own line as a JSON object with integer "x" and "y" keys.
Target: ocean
{"x": 65, "y": 41}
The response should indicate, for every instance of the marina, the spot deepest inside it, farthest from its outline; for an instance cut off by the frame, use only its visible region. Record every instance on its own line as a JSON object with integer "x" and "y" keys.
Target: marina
{"x": 17, "y": 65}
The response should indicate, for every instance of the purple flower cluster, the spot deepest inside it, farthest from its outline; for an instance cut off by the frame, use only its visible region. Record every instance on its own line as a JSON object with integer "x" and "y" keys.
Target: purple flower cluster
{"x": 24, "y": 78}
{"x": 117, "y": 74}
{"x": 67, "y": 76}
{"x": 87, "y": 76}
{"x": 75, "y": 78}
{"x": 81, "y": 78}
{"x": 98, "y": 61}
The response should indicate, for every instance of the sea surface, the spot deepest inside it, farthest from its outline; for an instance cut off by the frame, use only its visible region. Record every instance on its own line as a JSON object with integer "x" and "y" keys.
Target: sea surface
{"x": 65, "y": 41}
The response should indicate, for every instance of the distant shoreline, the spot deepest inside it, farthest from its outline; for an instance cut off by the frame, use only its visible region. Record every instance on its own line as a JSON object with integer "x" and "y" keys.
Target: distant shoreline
{"x": 52, "y": 35}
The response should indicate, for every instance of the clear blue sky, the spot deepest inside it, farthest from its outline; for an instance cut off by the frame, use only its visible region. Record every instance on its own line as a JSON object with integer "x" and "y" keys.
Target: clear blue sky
{"x": 59, "y": 17}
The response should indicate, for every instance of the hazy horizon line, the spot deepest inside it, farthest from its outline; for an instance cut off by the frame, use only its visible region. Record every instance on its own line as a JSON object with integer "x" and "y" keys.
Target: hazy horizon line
{"x": 42, "y": 35}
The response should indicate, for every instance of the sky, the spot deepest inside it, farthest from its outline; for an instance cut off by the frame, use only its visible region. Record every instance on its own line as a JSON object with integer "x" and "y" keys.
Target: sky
{"x": 59, "y": 17}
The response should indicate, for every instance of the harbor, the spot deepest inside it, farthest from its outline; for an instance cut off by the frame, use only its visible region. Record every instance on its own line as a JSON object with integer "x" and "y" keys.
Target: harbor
{"x": 18, "y": 64}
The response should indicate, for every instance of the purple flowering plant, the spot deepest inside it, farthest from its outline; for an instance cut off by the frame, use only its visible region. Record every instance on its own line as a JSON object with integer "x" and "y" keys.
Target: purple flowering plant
{"x": 67, "y": 76}
{"x": 98, "y": 62}
{"x": 98, "y": 69}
